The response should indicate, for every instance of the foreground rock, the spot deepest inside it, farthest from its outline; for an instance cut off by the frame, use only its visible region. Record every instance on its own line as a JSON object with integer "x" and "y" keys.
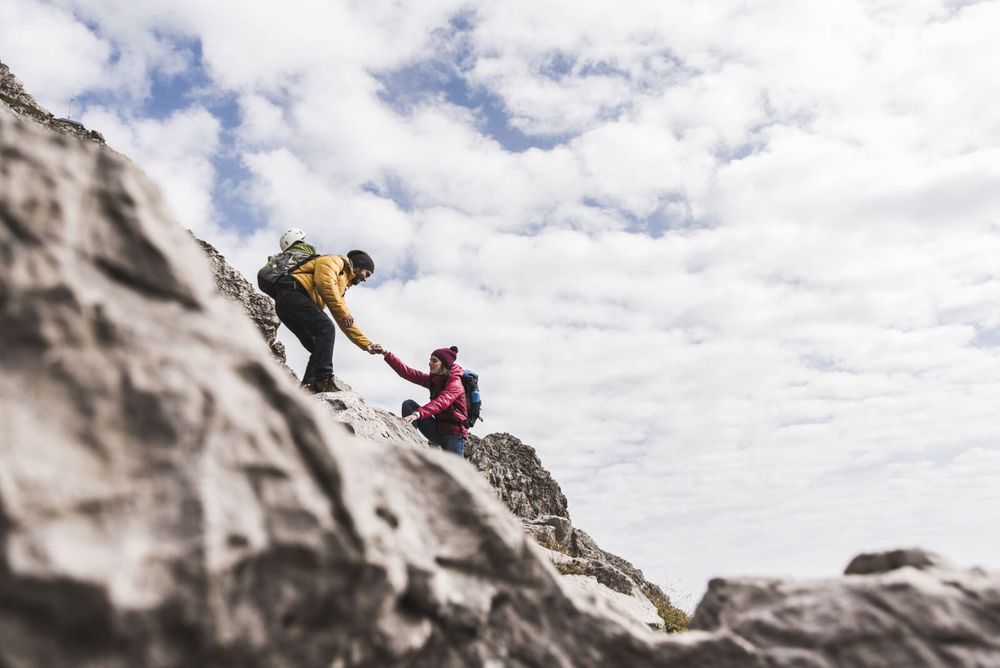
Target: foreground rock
{"x": 169, "y": 497}
{"x": 924, "y": 616}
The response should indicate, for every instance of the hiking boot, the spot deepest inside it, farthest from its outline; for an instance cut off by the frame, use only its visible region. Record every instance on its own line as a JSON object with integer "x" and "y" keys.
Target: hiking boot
{"x": 325, "y": 384}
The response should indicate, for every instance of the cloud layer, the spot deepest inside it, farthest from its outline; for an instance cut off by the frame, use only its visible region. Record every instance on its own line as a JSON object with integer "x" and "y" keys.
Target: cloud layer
{"x": 730, "y": 268}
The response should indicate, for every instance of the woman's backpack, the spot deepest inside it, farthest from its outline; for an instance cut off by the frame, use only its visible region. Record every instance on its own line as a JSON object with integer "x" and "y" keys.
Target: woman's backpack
{"x": 470, "y": 381}
{"x": 279, "y": 265}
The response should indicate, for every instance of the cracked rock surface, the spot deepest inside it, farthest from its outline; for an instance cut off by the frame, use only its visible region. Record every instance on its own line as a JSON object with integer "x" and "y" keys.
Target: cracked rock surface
{"x": 360, "y": 418}
{"x": 515, "y": 472}
{"x": 529, "y": 491}
{"x": 16, "y": 100}
{"x": 258, "y": 307}
{"x": 924, "y": 616}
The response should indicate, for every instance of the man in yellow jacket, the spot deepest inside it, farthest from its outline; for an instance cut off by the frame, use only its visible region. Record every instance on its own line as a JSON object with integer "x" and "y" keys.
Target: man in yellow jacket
{"x": 301, "y": 297}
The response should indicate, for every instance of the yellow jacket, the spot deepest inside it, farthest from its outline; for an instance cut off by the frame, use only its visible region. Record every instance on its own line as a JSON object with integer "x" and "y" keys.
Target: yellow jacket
{"x": 326, "y": 279}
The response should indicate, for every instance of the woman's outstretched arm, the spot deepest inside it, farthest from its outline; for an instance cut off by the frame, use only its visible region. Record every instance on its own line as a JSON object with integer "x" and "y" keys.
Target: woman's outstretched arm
{"x": 406, "y": 373}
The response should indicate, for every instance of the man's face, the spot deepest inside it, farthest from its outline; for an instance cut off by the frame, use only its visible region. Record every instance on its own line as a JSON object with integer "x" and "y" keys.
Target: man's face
{"x": 360, "y": 276}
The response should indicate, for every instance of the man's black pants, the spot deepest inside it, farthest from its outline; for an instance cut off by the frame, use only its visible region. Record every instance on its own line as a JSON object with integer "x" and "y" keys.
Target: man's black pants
{"x": 309, "y": 324}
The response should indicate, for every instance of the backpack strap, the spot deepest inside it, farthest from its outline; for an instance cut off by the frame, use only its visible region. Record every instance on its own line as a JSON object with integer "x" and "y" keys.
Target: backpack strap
{"x": 343, "y": 268}
{"x": 305, "y": 261}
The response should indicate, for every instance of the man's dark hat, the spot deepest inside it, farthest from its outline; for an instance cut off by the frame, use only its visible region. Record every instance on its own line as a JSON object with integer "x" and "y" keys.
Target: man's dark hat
{"x": 361, "y": 260}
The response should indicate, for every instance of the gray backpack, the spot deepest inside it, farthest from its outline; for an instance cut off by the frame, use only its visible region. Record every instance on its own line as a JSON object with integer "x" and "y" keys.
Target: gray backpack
{"x": 279, "y": 265}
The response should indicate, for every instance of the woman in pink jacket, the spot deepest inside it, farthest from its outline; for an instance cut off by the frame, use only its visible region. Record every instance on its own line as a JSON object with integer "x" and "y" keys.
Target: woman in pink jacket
{"x": 442, "y": 419}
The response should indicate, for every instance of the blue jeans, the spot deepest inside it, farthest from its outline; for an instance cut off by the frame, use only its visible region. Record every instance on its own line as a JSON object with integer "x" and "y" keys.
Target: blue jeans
{"x": 428, "y": 427}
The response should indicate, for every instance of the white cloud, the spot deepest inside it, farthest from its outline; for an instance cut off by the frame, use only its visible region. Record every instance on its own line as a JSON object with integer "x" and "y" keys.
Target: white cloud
{"x": 56, "y": 56}
{"x": 739, "y": 310}
{"x": 176, "y": 153}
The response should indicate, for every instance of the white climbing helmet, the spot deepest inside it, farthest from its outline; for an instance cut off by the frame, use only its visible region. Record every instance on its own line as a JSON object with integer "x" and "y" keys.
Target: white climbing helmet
{"x": 290, "y": 237}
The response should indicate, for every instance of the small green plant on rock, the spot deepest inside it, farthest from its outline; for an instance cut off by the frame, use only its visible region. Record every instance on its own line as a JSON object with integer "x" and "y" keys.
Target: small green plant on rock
{"x": 550, "y": 544}
{"x": 14, "y": 103}
{"x": 674, "y": 619}
{"x": 569, "y": 567}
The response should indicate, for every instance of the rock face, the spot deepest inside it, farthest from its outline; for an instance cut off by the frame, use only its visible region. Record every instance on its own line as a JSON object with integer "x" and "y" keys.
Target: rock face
{"x": 169, "y": 497}
{"x": 529, "y": 491}
{"x": 350, "y": 409}
{"x": 883, "y": 562}
{"x": 930, "y": 616}
{"x": 576, "y": 555}
{"x": 515, "y": 472}
{"x": 257, "y": 306}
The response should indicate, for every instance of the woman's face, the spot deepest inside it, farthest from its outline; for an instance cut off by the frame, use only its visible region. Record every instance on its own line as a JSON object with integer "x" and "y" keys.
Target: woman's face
{"x": 435, "y": 365}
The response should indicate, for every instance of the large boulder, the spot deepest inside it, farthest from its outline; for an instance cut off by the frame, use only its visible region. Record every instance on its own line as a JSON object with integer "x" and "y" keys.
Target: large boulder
{"x": 917, "y": 616}
{"x": 170, "y": 497}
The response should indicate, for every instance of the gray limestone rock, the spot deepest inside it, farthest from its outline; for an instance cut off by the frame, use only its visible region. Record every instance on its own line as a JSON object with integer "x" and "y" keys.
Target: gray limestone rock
{"x": 15, "y": 99}
{"x": 883, "y": 562}
{"x": 259, "y": 307}
{"x": 360, "y": 418}
{"x": 542, "y": 534}
{"x": 937, "y": 618}
{"x": 602, "y": 579}
{"x": 562, "y": 529}
{"x": 230, "y": 282}
{"x": 632, "y": 606}
{"x": 515, "y": 472}
{"x": 529, "y": 491}
{"x": 169, "y": 497}
{"x": 583, "y": 546}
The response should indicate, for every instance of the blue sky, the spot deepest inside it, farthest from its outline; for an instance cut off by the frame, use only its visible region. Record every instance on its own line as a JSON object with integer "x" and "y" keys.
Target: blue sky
{"x": 729, "y": 267}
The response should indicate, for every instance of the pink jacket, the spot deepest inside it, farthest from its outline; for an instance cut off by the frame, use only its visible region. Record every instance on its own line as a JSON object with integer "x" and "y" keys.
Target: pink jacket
{"x": 447, "y": 403}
